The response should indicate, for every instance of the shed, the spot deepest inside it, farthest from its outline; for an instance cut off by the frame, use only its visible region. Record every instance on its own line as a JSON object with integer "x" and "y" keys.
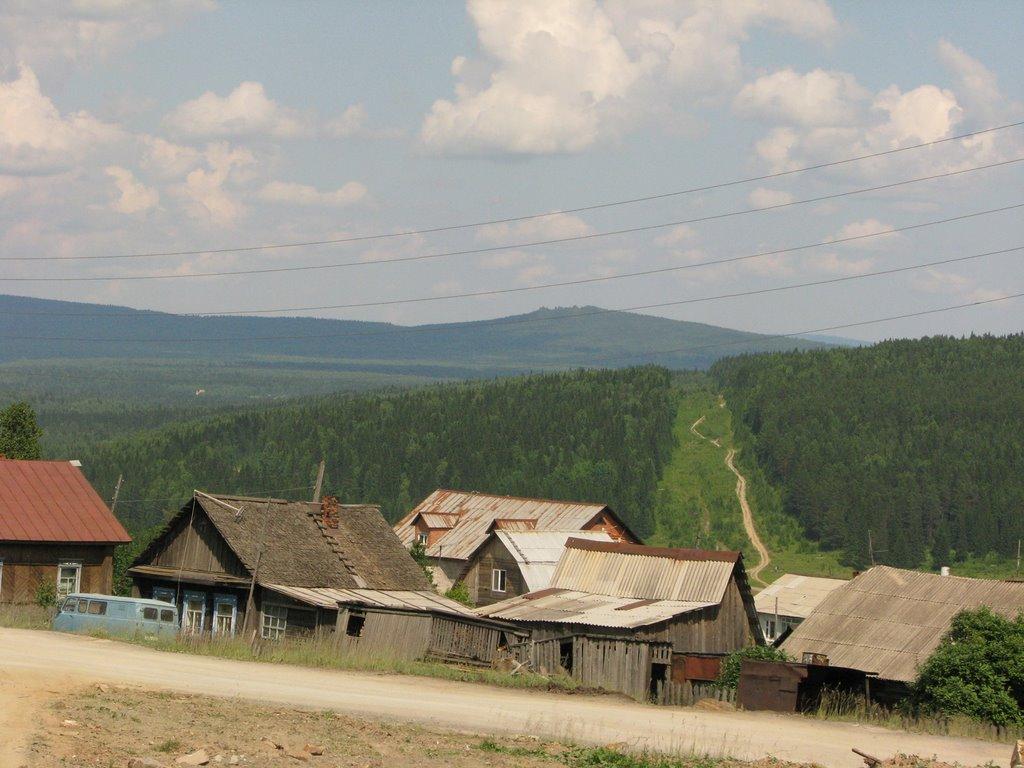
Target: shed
{"x": 54, "y": 530}
{"x": 633, "y": 618}
{"x": 455, "y": 525}
{"x": 788, "y": 600}
{"x": 888, "y": 621}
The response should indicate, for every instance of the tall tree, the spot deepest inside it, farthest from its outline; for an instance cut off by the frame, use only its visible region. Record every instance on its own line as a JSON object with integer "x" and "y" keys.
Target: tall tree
{"x": 19, "y": 432}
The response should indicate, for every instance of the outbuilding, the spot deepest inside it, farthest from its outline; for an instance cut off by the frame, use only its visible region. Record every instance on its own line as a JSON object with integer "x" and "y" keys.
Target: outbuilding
{"x": 57, "y": 536}
{"x": 646, "y": 621}
{"x": 787, "y": 601}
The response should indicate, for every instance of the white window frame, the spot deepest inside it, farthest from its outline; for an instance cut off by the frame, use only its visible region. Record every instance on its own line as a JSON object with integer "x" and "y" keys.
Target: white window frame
{"x": 77, "y": 565}
{"x": 499, "y": 580}
{"x": 219, "y": 600}
{"x": 184, "y": 612}
{"x": 422, "y": 537}
{"x": 273, "y": 621}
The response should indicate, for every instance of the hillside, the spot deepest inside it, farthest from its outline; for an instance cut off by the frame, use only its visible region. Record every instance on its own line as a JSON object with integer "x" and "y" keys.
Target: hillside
{"x": 592, "y": 436}
{"x": 916, "y": 442}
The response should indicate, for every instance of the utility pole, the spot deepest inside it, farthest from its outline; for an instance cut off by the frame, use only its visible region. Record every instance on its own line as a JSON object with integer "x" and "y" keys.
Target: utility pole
{"x": 1018, "y": 557}
{"x": 871, "y": 549}
{"x": 319, "y": 487}
{"x": 120, "y": 479}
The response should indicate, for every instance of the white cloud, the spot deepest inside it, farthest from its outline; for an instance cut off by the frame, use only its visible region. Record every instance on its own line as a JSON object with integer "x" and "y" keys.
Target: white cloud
{"x": 204, "y": 188}
{"x": 833, "y": 264}
{"x": 766, "y": 198}
{"x": 675, "y": 236}
{"x": 133, "y": 195}
{"x": 35, "y": 137}
{"x": 563, "y": 76}
{"x": 246, "y": 111}
{"x": 41, "y": 32}
{"x": 303, "y": 194}
{"x": 964, "y": 288}
{"x": 818, "y": 97}
{"x": 552, "y": 227}
{"x": 975, "y": 83}
{"x": 167, "y": 159}
{"x": 348, "y": 123}
{"x": 924, "y": 114}
{"x": 865, "y": 227}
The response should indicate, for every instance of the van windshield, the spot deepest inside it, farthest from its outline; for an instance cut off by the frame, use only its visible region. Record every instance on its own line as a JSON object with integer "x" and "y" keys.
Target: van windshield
{"x": 70, "y": 604}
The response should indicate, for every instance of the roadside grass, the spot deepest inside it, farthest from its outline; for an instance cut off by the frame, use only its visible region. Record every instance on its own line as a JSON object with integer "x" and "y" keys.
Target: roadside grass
{"x": 607, "y": 757}
{"x": 25, "y": 616}
{"x": 320, "y": 653}
{"x": 848, "y": 707}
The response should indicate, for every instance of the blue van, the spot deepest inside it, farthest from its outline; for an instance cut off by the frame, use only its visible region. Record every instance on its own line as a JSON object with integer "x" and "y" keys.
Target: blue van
{"x": 116, "y": 615}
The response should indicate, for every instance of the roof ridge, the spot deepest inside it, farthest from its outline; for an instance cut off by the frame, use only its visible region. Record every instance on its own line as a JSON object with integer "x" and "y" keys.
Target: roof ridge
{"x": 597, "y": 504}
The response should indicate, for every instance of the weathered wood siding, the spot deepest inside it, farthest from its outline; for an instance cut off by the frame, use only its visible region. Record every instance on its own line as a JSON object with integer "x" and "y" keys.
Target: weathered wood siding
{"x": 721, "y": 629}
{"x": 453, "y": 639}
{"x": 385, "y": 634}
{"x": 613, "y": 664}
{"x": 197, "y": 547}
{"x": 491, "y": 556}
{"x": 26, "y": 566}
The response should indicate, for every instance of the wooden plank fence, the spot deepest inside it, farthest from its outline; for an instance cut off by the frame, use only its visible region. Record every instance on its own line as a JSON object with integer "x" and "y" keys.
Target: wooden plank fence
{"x": 688, "y": 693}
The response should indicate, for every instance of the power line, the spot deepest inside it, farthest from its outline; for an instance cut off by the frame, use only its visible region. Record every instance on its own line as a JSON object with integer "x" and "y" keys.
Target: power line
{"x": 826, "y": 329}
{"x": 512, "y": 321}
{"x": 506, "y": 247}
{"x": 532, "y": 216}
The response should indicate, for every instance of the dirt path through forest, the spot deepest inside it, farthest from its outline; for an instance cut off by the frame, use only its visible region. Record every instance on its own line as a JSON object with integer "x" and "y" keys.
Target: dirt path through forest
{"x": 748, "y": 521}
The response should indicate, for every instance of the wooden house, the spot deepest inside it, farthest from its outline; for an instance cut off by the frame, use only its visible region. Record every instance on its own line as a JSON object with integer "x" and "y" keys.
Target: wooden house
{"x": 297, "y": 568}
{"x": 455, "y": 527}
{"x": 55, "y": 531}
{"x": 636, "y": 619}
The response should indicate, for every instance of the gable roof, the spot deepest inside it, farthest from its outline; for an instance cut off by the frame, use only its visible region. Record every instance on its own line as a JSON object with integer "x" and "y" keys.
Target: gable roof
{"x": 537, "y": 552}
{"x": 300, "y": 549}
{"x": 794, "y": 595}
{"x": 477, "y": 513}
{"x": 889, "y": 621}
{"x": 51, "y": 501}
{"x": 615, "y": 584}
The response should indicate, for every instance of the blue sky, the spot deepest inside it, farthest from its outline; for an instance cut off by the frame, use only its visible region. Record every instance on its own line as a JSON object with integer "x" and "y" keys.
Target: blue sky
{"x": 141, "y": 126}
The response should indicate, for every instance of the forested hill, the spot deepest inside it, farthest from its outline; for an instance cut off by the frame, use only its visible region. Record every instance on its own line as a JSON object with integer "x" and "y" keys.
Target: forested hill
{"x": 592, "y": 436}
{"x": 34, "y": 329}
{"x": 918, "y": 442}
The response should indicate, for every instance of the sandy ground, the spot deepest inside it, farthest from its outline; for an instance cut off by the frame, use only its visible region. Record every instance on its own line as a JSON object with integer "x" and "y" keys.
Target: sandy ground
{"x": 34, "y": 663}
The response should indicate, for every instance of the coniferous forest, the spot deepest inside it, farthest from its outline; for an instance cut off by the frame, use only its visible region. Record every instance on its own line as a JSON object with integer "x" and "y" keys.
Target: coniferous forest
{"x": 917, "y": 442}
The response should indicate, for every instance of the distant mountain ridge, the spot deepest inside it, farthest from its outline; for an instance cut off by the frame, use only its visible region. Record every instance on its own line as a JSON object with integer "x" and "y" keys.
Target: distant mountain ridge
{"x": 546, "y": 339}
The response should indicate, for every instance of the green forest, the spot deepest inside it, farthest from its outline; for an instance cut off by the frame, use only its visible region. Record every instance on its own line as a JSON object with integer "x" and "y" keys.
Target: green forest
{"x": 592, "y": 436}
{"x": 915, "y": 444}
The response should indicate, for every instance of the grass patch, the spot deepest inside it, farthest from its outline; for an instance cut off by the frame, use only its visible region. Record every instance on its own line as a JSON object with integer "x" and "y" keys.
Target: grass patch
{"x": 320, "y": 653}
{"x": 170, "y": 745}
{"x": 606, "y": 757}
{"x": 25, "y": 616}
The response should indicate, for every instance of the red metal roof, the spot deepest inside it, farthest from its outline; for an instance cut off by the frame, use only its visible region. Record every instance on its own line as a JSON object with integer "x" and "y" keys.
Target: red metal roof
{"x": 51, "y": 501}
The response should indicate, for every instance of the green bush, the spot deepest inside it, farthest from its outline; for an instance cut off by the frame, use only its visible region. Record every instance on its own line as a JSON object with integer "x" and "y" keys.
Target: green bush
{"x": 46, "y": 594}
{"x": 460, "y": 593}
{"x": 977, "y": 670}
{"x": 729, "y": 675}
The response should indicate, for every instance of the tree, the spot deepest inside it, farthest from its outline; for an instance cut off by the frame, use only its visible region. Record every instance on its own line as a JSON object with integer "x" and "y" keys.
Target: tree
{"x": 19, "y": 432}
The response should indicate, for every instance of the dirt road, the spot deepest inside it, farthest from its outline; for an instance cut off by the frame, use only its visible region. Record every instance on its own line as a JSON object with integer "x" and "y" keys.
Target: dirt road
{"x": 748, "y": 521}
{"x": 43, "y": 661}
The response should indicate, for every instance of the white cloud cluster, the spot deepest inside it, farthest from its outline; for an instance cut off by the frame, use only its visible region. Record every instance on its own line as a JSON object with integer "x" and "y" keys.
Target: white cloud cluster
{"x": 133, "y": 195}
{"x": 35, "y": 137}
{"x": 560, "y": 76}
{"x": 246, "y": 111}
{"x": 816, "y": 98}
{"x": 303, "y": 194}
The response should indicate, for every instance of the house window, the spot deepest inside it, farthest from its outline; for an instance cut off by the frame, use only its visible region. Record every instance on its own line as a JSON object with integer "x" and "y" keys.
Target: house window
{"x": 224, "y": 613}
{"x": 769, "y": 629}
{"x": 69, "y": 578}
{"x": 163, "y": 594}
{"x": 356, "y": 622}
{"x": 194, "y": 618}
{"x": 275, "y": 621}
{"x": 422, "y": 538}
{"x": 498, "y": 580}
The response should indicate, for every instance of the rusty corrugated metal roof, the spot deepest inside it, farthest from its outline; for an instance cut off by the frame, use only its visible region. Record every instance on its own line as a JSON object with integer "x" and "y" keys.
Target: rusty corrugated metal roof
{"x": 477, "y": 512}
{"x": 51, "y": 501}
{"x": 418, "y": 600}
{"x": 638, "y": 572}
{"x": 794, "y": 595}
{"x": 566, "y": 606}
{"x": 889, "y": 621}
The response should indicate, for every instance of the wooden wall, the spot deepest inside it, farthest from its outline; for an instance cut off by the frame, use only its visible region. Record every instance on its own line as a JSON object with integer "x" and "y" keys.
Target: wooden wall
{"x": 720, "y": 629}
{"x": 478, "y": 579}
{"x": 26, "y": 566}
{"x": 614, "y": 664}
{"x": 390, "y": 635}
{"x": 198, "y": 547}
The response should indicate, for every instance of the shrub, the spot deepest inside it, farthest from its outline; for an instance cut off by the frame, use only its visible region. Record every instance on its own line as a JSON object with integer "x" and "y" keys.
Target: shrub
{"x": 729, "y": 675}
{"x": 977, "y": 670}
{"x": 418, "y": 550}
{"x": 460, "y": 593}
{"x": 46, "y": 594}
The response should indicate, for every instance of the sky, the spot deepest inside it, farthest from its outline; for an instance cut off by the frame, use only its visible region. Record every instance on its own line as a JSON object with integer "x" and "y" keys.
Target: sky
{"x": 141, "y": 127}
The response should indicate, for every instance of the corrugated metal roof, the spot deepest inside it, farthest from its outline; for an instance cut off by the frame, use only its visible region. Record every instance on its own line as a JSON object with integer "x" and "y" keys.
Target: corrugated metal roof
{"x": 51, "y": 501}
{"x": 324, "y": 597}
{"x": 440, "y": 521}
{"x": 793, "y": 595}
{"x": 477, "y": 513}
{"x": 575, "y": 607}
{"x": 889, "y": 621}
{"x": 538, "y": 552}
{"x": 638, "y": 572}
